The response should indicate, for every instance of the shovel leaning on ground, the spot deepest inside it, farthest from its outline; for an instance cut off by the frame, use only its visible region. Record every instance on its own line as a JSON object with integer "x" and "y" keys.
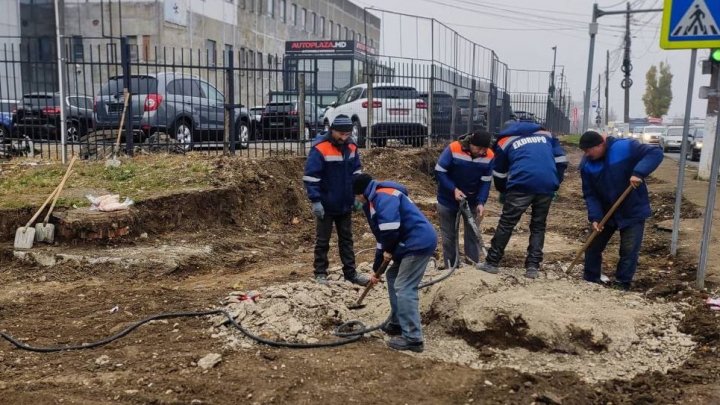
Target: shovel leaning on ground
{"x": 114, "y": 161}
{"x": 595, "y": 233}
{"x": 380, "y": 271}
{"x": 25, "y": 235}
{"x": 467, "y": 214}
{"x": 45, "y": 232}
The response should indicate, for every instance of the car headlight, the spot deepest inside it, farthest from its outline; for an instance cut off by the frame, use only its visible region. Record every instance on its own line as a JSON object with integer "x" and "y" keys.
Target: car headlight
{"x": 646, "y": 137}
{"x": 698, "y": 145}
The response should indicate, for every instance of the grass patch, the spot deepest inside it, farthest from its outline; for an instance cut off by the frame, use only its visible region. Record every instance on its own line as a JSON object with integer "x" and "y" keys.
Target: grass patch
{"x": 140, "y": 178}
{"x": 571, "y": 139}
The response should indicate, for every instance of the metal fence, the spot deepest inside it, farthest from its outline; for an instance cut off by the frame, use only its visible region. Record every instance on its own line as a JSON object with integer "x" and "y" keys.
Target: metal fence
{"x": 118, "y": 97}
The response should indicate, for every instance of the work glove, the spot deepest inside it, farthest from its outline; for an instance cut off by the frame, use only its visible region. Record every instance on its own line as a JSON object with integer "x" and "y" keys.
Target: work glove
{"x": 555, "y": 196}
{"x": 318, "y": 210}
{"x": 502, "y": 198}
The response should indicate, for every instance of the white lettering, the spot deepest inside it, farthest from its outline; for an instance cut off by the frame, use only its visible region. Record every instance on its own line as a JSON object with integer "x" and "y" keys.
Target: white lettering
{"x": 530, "y": 139}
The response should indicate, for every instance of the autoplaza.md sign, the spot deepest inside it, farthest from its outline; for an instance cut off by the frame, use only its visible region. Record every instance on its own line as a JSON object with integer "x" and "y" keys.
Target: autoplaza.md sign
{"x": 689, "y": 24}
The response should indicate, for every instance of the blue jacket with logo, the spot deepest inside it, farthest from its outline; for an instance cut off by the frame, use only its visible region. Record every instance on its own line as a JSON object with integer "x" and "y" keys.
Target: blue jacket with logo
{"x": 456, "y": 168}
{"x": 397, "y": 223}
{"x": 604, "y": 180}
{"x": 329, "y": 171}
{"x": 528, "y": 159}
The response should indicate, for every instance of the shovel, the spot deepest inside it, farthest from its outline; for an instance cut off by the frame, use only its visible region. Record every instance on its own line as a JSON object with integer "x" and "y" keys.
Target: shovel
{"x": 380, "y": 271}
{"x": 465, "y": 211}
{"x": 595, "y": 233}
{"x": 114, "y": 161}
{"x": 45, "y": 232}
{"x": 25, "y": 235}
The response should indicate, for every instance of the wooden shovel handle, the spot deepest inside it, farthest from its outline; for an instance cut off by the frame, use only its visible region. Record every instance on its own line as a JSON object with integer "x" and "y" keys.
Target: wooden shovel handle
{"x": 369, "y": 287}
{"x": 55, "y": 198}
{"x": 55, "y": 192}
{"x": 122, "y": 118}
{"x": 595, "y": 233}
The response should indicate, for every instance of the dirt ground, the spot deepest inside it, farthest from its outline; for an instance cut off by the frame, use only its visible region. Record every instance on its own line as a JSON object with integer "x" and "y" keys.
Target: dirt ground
{"x": 253, "y": 231}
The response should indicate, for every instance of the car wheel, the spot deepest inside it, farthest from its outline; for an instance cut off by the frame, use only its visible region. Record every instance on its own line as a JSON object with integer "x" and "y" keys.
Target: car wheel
{"x": 243, "y": 135}
{"x": 356, "y": 130}
{"x": 183, "y": 134}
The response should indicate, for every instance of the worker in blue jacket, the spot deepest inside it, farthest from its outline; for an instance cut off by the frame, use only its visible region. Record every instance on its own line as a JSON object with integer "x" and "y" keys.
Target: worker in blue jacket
{"x": 331, "y": 164}
{"x": 407, "y": 238}
{"x": 608, "y": 167}
{"x": 463, "y": 171}
{"x": 529, "y": 167}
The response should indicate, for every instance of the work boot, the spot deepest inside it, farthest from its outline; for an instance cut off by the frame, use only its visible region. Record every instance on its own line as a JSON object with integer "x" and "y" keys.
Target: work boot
{"x": 360, "y": 279}
{"x": 618, "y": 285}
{"x": 391, "y": 329}
{"x": 488, "y": 268}
{"x": 532, "y": 272}
{"x": 321, "y": 279}
{"x": 400, "y": 343}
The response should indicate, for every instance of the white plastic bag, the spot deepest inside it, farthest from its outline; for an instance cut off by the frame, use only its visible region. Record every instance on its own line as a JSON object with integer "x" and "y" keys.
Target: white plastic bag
{"x": 108, "y": 202}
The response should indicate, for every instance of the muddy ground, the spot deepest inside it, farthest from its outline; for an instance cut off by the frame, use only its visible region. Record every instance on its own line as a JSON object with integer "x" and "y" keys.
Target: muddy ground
{"x": 254, "y": 231}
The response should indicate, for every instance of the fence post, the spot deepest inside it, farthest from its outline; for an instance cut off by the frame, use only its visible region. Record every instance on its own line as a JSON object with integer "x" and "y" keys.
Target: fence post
{"x": 431, "y": 90}
{"x": 471, "y": 113}
{"x": 453, "y": 114}
{"x": 125, "y": 62}
{"x": 492, "y": 97}
{"x": 229, "y": 141}
{"x": 370, "y": 112}
{"x": 301, "y": 108}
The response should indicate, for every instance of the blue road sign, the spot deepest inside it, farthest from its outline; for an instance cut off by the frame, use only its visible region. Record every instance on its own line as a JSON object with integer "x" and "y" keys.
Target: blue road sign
{"x": 690, "y": 24}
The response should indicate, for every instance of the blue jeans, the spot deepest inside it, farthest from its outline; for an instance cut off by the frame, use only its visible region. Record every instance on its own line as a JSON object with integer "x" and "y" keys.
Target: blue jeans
{"x": 403, "y": 278}
{"x": 447, "y": 218}
{"x": 630, "y": 242}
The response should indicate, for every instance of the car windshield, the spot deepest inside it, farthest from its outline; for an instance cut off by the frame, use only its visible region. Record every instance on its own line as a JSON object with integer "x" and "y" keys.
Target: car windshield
{"x": 674, "y": 131}
{"x": 699, "y": 134}
{"x": 138, "y": 85}
{"x": 279, "y": 107}
{"x": 655, "y": 130}
{"x": 40, "y": 100}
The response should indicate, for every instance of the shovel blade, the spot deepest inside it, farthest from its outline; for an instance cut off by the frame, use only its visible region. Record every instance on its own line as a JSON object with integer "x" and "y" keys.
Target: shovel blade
{"x": 24, "y": 237}
{"x": 45, "y": 233}
{"x": 112, "y": 162}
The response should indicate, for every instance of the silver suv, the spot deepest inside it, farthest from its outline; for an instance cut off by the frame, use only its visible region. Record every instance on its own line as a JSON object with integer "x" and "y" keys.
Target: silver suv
{"x": 186, "y": 107}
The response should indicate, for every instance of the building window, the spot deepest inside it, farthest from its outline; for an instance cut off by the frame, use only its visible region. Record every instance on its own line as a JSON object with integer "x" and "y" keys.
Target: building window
{"x": 78, "y": 52}
{"x": 338, "y": 32}
{"x": 241, "y": 3}
{"x": 303, "y": 19}
{"x": 252, "y": 5}
{"x": 211, "y": 52}
{"x": 353, "y": 35}
{"x": 322, "y": 27}
{"x": 359, "y": 38}
{"x": 347, "y": 33}
{"x": 293, "y": 14}
{"x": 228, "y": 54}
{"x": 260, "y": 63}
{"x": 271, "y": 8}
{"x": 332, "y": 30}
{"x": 146, "y": 47}
{"x": 372, "y": 43}
{"x": 314, "y": 23}
{"x": 283, "y": 10}
{"x": 251, "y": 63}
{"x": 133, "y": 44}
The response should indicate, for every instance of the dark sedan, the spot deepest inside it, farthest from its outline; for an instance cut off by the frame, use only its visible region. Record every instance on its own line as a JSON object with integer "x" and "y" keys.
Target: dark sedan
{"x": 38, "y": 117}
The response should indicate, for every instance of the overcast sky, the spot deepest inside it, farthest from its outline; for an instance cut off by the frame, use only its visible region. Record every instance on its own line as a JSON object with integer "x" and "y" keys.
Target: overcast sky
{"x": 523, "y": 32}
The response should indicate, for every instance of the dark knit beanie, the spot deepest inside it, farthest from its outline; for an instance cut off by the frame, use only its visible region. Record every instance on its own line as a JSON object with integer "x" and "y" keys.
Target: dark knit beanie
{"x": 590, "y": 139}
{"x": 360, "y": 183}
{"x": 481, "y": 139}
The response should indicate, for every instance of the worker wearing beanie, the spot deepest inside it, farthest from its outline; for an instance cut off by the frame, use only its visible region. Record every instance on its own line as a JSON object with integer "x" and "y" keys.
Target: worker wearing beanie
{"x": 608, "y": 167}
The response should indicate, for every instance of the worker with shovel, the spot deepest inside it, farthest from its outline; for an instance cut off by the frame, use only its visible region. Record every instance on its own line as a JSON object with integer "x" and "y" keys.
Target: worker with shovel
{"x": 464, "y": 171}
{"x": 529, "y": 167}
{"x": 329, "y": 169}
{"x": 607, "y": 168}
{"x": 407, "y": 238}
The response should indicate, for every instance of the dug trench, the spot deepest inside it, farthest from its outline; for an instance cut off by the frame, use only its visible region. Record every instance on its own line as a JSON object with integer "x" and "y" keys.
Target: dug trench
{"x": 489, "y": 339}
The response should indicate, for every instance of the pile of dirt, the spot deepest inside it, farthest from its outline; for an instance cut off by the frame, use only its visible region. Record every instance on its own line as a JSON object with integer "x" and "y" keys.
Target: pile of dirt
{"x": 663, "y": 206}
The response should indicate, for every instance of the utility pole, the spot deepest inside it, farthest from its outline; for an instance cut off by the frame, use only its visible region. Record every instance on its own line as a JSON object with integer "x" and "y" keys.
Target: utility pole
{"x": 627, "y": 67}
{"x": 551, "y": 90}
{"x": 598, "y": 118}
{"x": 597, "y": 13}
{"x": 607, "y": 86}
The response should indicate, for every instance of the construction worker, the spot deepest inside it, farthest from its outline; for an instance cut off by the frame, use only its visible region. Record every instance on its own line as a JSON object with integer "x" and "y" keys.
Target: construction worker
{"x": 609, "y": 166}
{"x": 407, "y": 238}
{"x": 329, "y": 170}
{"x": 464, "y": 171}
{"x": 529, "y": 167}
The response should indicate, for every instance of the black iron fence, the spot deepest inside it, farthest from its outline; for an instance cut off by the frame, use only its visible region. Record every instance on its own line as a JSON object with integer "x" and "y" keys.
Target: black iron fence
{"x": 118, "y": 97}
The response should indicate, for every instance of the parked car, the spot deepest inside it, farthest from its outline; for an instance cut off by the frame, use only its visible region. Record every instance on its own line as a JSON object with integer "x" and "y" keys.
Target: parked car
{"x": 672, "y": 139}
{"x": 7, "y": 109}
{"x": 280, "y": 120}
{"x": 399, "y": 113}
{"x": 696, "y": 143}
{"x": 651, "y": 134}
{"x": 441, "y": 112}
{"x": 188, "y": 108}
{"x": 525, "y": 116}
{"x": 38, "y": 117}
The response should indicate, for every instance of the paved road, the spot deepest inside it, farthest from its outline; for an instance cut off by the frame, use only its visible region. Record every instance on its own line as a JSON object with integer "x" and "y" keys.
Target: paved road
{"x": 676, "y": 157}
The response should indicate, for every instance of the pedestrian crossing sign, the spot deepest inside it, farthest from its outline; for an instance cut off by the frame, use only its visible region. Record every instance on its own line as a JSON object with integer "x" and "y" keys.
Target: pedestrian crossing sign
{"x": 689, "y": 24}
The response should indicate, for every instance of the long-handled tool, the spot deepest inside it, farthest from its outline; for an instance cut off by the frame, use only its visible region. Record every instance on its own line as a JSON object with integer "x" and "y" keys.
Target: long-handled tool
{"x": 45, "y": 232}
{"x": 25, "y": 235}
{"x": 595, "y": 233}
{"x": 113, "y": 161}
{"x": 380, "y": 271}
{"x": 470, "y": 219}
